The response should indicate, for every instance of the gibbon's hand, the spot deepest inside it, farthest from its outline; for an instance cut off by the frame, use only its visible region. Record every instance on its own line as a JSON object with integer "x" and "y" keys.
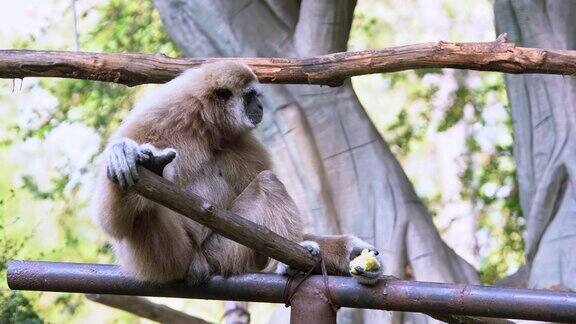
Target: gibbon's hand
{"x": 366, "y": 269}
{"x": 366, "y": 277}
{"x": 155, "y": 160}
{"x": 124, "y": 155}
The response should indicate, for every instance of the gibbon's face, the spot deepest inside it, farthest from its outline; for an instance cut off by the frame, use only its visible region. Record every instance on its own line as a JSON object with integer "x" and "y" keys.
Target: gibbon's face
{"x": 227, "y": 91}
{"x": 242, "y": 106}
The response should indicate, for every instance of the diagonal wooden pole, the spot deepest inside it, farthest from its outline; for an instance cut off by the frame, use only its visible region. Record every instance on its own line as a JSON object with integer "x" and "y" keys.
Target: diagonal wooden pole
{"x": 228, "y": 224}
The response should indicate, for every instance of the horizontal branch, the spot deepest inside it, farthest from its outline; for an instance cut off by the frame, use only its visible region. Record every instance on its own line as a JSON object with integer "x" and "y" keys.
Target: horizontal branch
{"x": 331, "y": 69}
{"x": 142, "y": 307}
{"x": 388, "y": 294}
{"x": 228, "y": 224}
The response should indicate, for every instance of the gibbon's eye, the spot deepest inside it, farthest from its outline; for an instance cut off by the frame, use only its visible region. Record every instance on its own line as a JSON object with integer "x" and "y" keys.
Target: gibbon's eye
{"x": 223, "y": 93}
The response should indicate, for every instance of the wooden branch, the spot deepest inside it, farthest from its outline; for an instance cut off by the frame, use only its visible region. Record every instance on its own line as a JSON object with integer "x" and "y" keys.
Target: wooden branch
{"x": 142, "y": 307}
{"x": 228, "y": 224}
{"x": 331, "y": 69}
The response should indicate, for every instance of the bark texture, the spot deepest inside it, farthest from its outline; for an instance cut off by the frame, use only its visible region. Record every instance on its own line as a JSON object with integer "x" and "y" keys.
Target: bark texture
{"x": 544, "y": 115}
{"x": 329, "y": 69}
{"x": 340, "y": 172}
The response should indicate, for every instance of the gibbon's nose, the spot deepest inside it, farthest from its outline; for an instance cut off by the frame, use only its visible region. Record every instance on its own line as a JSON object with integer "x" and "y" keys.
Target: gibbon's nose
{"x": 255, "y": 111}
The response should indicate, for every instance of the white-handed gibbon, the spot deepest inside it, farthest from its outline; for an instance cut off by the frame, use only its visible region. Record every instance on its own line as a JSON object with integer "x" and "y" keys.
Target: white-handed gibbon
{"x": 196, "y": 131}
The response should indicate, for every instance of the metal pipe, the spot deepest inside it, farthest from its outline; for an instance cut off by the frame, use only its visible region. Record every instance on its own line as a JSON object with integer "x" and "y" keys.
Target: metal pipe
{"x": 311, "y": 305}
{"x": 388, "y": 294}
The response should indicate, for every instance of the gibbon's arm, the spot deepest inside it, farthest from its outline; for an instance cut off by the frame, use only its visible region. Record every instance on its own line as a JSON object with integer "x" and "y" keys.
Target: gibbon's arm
{"x": 116, "y": 207}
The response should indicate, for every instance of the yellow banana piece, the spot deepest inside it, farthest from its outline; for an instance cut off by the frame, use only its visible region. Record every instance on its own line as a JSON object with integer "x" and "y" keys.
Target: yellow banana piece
{"x": 366, "y": 260}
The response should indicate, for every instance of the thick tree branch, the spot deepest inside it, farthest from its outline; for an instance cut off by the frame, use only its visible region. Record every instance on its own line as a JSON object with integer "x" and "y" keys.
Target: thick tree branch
{"x": 331, "y": 69}
{"x": 144, "y": 308}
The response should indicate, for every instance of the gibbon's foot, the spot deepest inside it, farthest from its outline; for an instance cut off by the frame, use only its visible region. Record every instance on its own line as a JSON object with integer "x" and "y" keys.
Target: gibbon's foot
{"x": 198, "y": 272}
{"x": 123, "y": 156}
{"x": 366, "y": 277}
{"x": 312, "y": 247}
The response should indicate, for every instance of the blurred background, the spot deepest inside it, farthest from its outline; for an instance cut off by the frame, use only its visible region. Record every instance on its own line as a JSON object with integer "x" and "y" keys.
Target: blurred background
{"x": 451, "y": 131}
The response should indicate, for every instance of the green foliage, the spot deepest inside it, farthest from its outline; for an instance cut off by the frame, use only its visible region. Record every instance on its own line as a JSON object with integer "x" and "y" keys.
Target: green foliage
{"x": 412, "y": 122}
{"x": 16, "y": 308}
{"x": 455, "y": 113}
{"x": 123, "y": 26}
{"x": 427, "y": 103}
{"x": 100, "y": 105}
{"x": 499, "y": 210}
{"x": 136, "y": 28}
{"x": 55, "y": 192}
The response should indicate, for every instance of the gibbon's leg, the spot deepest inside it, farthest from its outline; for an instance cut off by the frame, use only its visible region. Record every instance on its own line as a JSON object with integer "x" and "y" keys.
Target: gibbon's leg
{"x": 265, "y": 202}
{"x": 340, "y": 250}
{"x": 198, "y": 268}
{"x": 159, "y": 249}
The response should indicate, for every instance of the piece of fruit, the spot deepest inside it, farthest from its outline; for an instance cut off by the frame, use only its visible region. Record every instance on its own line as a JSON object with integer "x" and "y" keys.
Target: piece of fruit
{"x": 366, "y": 260}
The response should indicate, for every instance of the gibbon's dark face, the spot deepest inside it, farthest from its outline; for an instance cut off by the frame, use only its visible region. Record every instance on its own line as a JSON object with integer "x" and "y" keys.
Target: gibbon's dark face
{"x": 231, "y": 90}
{"x": 238, "y": 110}
{"x": 252, "y": 106}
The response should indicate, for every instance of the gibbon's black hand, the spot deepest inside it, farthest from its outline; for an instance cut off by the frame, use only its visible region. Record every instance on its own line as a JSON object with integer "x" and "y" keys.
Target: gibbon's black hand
{"x": 366, "y": 277}
{"x": 124, "y": 155}
{"x": 155, "y": 161}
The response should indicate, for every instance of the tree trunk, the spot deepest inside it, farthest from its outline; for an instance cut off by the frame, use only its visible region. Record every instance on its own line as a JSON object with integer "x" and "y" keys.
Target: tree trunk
{"x": 544, "y": 115}
{"x": 335, "y": 165}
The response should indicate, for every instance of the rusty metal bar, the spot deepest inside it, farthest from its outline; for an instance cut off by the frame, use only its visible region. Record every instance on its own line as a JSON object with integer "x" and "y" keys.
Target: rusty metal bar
{"x": 311, "y": 305}
{"x": 388, "y": 294}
